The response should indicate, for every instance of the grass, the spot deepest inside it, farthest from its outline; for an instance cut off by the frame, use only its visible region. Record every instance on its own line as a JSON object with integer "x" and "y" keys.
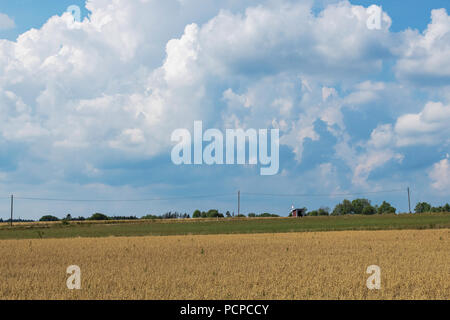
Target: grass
{"x": 223, "y": 226}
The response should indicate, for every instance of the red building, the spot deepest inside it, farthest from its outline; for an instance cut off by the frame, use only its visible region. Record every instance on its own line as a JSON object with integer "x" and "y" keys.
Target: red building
{"x": 298, "y": 212}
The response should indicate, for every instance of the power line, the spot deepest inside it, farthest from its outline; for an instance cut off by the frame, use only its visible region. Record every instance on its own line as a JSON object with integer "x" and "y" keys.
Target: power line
{"x": 318, "y": 194}
{"x": 206, "y": 196}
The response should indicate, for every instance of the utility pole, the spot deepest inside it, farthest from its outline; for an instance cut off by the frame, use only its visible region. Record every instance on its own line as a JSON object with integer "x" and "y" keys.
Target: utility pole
{"x": 12, "y": 209}
{"x": 409, "y": 201}
{"x": 239, "y": 203}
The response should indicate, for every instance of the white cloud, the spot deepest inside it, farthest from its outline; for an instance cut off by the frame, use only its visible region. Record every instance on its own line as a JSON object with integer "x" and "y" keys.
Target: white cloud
{"x": 423, "y": 58}
{"x": 430, "y": 126}
{"x": 121, "y": 81}
{"x": 371, "y": 160}
{"x": 382, "y": 137}
{"x": 440, "y": 175}
{"x": 79, "y": 97}
{"x": 6, "y": 22}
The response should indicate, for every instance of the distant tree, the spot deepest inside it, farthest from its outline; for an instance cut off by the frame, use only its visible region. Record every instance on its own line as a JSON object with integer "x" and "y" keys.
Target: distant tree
{"x": 228, "y": 214}
{"x": 150, "y": 217}
{"x": 313, "y": 213}
{"x": 170, "y": 215}
{"x": 49, "y": 218}
{"x": 252, "y": 215}
{"x": 369, "y": 210}
{"x": 98, "y": 217}
{"x": 422, "y": 207}
{"x": 268, "y": 215}
{"x": 447, "y": 207}
{"x": 385, "y": 207}
{"x": 343, "y": 208}
{"x": 214, "y": 213}
{"x": 324, "y": 211}
{"x": 197, "y": 214}
{"x": 68, "y": 217}
{"x": 358, "y": 205}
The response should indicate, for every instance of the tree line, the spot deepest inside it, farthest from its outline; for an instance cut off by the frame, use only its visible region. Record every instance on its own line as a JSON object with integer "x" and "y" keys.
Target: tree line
{"x": 357, "y": 206}
{"x": 364, "y": 207}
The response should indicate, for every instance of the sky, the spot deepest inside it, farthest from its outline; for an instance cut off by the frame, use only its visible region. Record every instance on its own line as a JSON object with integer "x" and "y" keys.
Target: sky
{"x": 88, "y": 108}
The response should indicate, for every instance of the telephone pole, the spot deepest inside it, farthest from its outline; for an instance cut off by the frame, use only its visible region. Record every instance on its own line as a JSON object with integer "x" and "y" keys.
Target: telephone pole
{"x": 409, "y": 201}
{"x": 12, "y": 209}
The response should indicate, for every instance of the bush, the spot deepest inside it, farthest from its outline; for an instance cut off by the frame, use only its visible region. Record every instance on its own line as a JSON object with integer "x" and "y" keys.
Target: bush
{"x": 359, "y": 205}
{"x": 213, "y": 213}
{"x": 197, "y": 214}
{"x": 422, "y": 207}
{"x": 123, "y": 218}
{"x": 49, "y": 218}
{"x": 386, "y": 208}
{"x": 369, "y": 210}
{"x": 268, "y": 215}
{"x": 343, "y": 208}
{"x": 98, "y": 217}
{"x": 150, "y": 216}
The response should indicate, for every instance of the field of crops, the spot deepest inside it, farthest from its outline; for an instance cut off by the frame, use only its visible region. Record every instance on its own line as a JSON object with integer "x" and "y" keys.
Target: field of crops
{"x": 308, "y": 265}
{"x": 45, "y": 230}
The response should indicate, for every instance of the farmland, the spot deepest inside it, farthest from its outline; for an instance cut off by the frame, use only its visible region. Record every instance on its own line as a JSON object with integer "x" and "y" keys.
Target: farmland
{"x": 222, "y": 226}
{"x": 307, "y": 265}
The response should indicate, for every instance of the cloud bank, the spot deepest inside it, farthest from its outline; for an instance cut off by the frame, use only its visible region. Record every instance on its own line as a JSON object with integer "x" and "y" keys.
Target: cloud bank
{"x": 87, "y": 99}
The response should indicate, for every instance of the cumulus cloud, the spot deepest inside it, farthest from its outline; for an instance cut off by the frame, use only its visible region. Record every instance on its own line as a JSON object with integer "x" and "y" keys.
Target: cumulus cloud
{"x": 423, "y": 58}
{"x": 430, "y": 126}
{"x": 440, "y": 175}
{"x": 115, "y": 85}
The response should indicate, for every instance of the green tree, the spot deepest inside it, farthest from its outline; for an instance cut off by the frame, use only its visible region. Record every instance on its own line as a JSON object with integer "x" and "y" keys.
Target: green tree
{"x": 422, "y": 207}
{"x": 98, "y": 217}
{"x": 49, "y": 218}
{"x": 324, "y": 211}
{"x": 197, "y": 214}
{"x": 386, "y": 207}
{"x": 358, "y": 205}
{"x": 214, "y": 213}
{"x": 343, "y": 208}
{"x": 369, "y": 210}
{"x": 313, "y": 213}
{"x": 150, "y": 217}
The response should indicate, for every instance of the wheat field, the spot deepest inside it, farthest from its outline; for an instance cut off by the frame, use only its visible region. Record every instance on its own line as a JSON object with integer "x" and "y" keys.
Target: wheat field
{"x": 415, "y": 264}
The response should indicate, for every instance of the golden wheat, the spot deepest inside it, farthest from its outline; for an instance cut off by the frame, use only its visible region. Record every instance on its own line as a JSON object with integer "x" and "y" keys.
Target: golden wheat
{"x": 415, "y": 264}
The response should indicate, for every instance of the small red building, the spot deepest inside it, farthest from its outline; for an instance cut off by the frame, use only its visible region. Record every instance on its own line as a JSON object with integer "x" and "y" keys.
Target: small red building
{"x": 298, "y": 212}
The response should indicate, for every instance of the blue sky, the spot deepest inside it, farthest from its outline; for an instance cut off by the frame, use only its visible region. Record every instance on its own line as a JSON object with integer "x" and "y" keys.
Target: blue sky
{"x": 88, "y": 108}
